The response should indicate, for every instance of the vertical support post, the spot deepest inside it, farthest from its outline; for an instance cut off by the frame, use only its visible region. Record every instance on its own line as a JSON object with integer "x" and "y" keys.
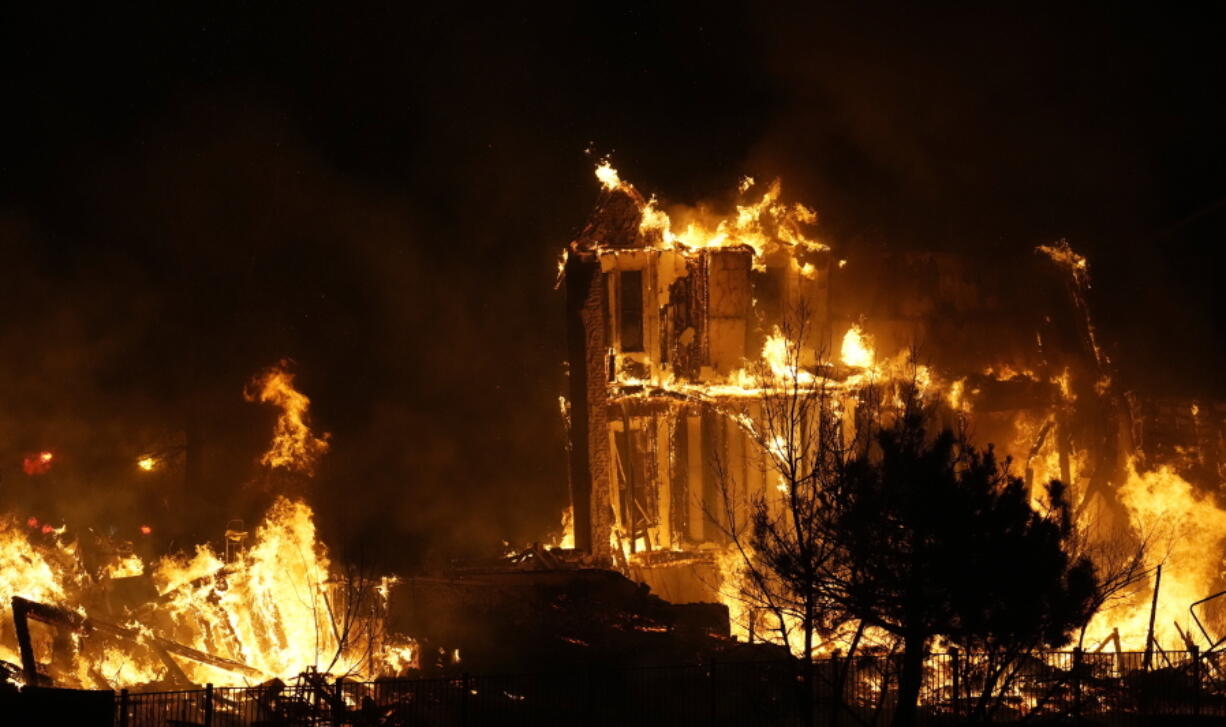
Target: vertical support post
{"x": 589, "y": 451}
{"x": 630, "y": 467}
{"x": 1196, "y": 678}
{"x": 338, "y": 706}
{"x": 1153, "y": 611}
{"x": 1077, "y": 682}
{"x": 694, "y": 487}
{"x": 464, "y": 682}
{"x": 832, "y": 669}
{"x": 123, "y": 708}
{"x": 714, "y": 718}
{"x": 21, "y": 623}
{"x": 664, "y": 480}
{"x": 956, "y": 682}
{"x": 208, "y": 705}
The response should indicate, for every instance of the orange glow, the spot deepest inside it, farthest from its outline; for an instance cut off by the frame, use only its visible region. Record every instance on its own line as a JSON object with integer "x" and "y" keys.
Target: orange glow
{"x": 37, "y": 464}
{"x": 148, "y": 464}
{"x": 145, "y": 530}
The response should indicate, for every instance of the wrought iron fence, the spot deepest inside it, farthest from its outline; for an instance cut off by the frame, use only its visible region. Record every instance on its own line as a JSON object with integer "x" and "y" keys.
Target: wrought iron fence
{"x": 1103, "y": 688}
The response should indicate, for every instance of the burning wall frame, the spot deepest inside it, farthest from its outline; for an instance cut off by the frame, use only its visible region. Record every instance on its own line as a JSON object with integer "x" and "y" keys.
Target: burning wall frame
{"x": 655, "y": 327}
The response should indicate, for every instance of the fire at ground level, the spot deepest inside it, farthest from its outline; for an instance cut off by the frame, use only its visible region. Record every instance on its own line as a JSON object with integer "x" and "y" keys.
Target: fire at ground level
{"x": 85, "y": 611}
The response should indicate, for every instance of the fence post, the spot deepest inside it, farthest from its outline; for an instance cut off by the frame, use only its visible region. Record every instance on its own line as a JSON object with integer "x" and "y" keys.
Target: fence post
{"x": 123, "y": 708}
{"x": 833, "y": 672}
{"x": 955, "y": 678}
{"x": 1196, "y": 685}
{"x": 711, "y": 692}
{"x": 1077, "y": 682}
{"x": 338, "y": 707}
{"x": 208, "y": 705}
{"x": 464, "y": 699}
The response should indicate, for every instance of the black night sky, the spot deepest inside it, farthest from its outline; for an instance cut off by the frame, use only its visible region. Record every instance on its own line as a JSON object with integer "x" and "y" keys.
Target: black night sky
{"x": 380, "y": 193}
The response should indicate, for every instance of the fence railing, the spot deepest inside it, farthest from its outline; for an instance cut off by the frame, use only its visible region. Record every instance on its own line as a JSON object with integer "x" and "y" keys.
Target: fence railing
{"x": 1104, "y": 687}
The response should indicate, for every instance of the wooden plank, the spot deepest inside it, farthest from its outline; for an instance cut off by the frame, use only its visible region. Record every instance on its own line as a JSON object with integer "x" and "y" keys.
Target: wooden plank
{"x": 663, "y": 483}
{"x": 694, "y": 481}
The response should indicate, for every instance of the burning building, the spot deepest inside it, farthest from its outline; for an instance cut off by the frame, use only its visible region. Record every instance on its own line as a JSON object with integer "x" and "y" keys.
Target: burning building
{"x": 669, "y": 311}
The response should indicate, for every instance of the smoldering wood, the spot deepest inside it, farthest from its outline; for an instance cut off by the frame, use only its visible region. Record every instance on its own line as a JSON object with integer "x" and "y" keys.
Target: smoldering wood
{"x": 500, "y": 618}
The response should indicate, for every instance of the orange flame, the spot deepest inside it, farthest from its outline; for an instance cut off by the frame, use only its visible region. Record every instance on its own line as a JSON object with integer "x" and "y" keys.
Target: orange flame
{"x": 293, "y": 446}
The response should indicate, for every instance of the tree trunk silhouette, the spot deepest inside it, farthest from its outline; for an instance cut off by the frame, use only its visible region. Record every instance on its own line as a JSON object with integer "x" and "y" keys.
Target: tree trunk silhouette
{"x": 910, "y": 678}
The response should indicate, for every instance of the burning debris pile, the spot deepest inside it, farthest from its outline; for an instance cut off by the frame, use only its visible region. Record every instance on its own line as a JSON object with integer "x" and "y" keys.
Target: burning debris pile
{"x": 673, "y": 315}
{"x": 267, "y": 607}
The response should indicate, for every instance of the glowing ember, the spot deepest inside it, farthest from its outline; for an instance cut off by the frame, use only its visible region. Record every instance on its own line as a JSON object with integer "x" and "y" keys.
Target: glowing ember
{"x": 37, "y": 464}
{"x": 148, "y": 464}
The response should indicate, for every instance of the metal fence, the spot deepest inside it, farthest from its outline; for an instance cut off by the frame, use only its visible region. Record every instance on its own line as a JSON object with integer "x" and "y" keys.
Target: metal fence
{"x": 1098, "y": 688}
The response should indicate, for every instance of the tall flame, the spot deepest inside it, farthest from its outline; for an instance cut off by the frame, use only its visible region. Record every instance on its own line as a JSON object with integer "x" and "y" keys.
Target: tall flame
{"x": 1187, "y": 532}
{"x": 294, "y": 446}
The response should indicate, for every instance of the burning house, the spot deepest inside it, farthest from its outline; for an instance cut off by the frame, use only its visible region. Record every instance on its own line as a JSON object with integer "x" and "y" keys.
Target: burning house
{"x": 669, "y": 312}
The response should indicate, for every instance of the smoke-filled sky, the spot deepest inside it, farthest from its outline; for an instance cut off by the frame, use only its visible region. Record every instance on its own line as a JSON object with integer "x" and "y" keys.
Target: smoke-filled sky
{"x": 379, "y": 193}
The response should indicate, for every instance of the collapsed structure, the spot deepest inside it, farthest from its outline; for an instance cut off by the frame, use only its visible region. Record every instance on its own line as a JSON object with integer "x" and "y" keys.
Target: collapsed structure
{"x": 666, "y": 312}
{"x": 88, "y": 613}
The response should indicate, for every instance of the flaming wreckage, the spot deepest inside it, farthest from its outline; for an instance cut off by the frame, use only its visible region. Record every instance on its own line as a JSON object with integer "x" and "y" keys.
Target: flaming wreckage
{"x": 87, "y": 612}
{"x": 668, "y": 315}
{"x": 667, "y": 310}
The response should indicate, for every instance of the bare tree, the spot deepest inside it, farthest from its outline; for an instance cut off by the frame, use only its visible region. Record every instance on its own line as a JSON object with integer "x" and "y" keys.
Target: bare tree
{"x": 777, "y": 533}
{"x": 780, "y": 535}
{"x": 877, "y": 523}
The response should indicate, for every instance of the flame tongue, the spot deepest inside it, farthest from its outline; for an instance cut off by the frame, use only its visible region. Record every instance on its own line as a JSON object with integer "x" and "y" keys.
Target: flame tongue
{"x": 856, "y": 350}
{"x": 293, "y": 447}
